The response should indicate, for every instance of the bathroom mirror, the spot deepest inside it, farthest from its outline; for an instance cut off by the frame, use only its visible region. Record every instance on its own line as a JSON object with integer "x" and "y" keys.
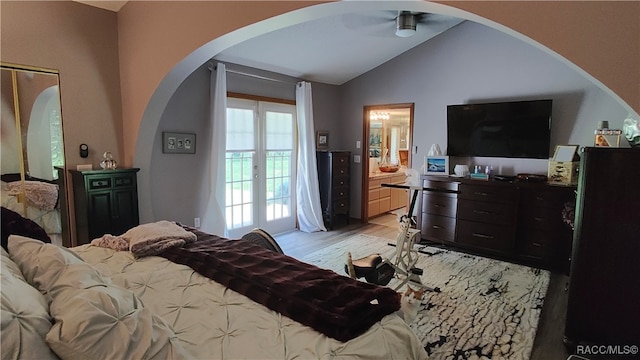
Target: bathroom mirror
{"x": 32, "y": 148}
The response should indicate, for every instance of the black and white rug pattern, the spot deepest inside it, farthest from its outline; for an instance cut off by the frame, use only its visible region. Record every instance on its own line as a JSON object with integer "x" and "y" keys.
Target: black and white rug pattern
{"x": 486, "y": 308}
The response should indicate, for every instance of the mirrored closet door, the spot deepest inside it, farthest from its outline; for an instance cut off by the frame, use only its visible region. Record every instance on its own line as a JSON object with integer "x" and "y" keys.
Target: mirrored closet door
{"x": 32, "y": 148}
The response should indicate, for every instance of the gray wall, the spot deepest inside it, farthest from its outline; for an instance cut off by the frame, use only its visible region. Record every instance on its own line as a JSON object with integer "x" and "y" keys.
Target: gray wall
{"x": 180, "y": 182}
{"x": 470, "y": 63}
{"x": 474, "y": 63}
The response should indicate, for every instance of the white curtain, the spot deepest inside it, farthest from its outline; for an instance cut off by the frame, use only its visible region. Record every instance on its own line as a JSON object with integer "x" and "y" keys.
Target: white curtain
{"x": 213, "y": 221}
{"x": 309, "y": 209}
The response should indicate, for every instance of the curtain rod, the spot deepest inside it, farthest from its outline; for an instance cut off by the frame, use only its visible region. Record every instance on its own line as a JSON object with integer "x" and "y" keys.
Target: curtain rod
{"x": 212, "y": 67}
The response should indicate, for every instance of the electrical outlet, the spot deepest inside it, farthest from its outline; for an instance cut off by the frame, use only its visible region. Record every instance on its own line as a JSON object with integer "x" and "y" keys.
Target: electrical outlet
{"x": 196, "y": 222}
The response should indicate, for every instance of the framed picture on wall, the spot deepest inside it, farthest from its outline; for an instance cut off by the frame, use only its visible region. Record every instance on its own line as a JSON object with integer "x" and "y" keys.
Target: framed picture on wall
{"x": 322, "y": 139}
{"x": 436, "y": 165}
{"x": 178, "y": 143}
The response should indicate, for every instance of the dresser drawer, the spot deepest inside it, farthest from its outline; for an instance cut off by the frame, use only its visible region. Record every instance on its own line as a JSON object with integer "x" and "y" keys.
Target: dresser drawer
{"x": 492, "y": 237}
{"x": 535, "y": 244}
{"x": 445, "y": 186}
{"x": 439, "y": 204}
{"x": 99, "y": 183}
{"x": 341, "y": 192}
{"x": 124, "y": 181}
{"x": 341, "y": 171}
{"x": 499, "y": 194}
{"x": 546, "y": 197}
{"x": 541, "y": 218}
{"x": 340, "y": 159}
{"x": 338, "y": 181}
{"x": 486, "y": 212}
{"x": 438, "y": 228}
{"x": 341, "y": 206}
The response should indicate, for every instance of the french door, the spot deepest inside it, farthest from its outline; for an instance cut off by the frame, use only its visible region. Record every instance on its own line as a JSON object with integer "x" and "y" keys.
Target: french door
{"x": 260, "y": 167}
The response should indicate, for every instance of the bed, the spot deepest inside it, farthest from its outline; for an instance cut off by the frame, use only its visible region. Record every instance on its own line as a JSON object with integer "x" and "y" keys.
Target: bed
{"x": 99, "y": 302}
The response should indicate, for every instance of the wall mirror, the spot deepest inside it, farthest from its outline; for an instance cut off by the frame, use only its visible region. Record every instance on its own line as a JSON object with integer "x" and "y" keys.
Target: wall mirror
{"x": 387, "y": 132}
{"x": 32, "y": 149}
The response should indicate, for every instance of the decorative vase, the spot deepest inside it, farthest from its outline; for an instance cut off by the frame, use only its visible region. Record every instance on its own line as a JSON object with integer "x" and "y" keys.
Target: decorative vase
{"x": 631, "y": 129}
{"x": 108, "y": 163}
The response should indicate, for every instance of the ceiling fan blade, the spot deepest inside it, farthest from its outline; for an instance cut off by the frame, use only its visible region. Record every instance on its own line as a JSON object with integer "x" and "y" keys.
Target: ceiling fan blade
{"x": 434, "y": 19}
{"x": 374, "y": 23}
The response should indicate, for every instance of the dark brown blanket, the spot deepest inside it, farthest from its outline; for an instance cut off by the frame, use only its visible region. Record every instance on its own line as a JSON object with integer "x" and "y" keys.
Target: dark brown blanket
{"x": 335, "y": 305}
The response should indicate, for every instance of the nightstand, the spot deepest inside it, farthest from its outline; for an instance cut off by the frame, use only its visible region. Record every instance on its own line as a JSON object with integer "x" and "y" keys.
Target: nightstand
{"x": 106, "y": 202}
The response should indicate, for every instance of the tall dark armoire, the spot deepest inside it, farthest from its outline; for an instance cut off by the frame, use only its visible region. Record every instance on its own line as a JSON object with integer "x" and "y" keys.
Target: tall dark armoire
{"x": 333, "y": 179}
{"x": 604, "y": 286}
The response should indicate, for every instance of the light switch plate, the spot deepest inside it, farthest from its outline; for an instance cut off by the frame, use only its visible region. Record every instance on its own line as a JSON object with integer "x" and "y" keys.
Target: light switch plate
{"x": 84, "y": 167}
{"x": 356, "y": 159}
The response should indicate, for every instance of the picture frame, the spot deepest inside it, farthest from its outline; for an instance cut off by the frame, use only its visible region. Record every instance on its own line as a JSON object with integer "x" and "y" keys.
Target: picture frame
{"x": 436, "y": 165}
{"x": 322, "y": 139}
{"x": 178, "y": 143}
{"x": 564, "y": 152}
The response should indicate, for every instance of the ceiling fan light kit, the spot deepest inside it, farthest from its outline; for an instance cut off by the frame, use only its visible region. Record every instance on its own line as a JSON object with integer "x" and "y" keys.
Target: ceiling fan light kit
{"x": 405, "y": 24}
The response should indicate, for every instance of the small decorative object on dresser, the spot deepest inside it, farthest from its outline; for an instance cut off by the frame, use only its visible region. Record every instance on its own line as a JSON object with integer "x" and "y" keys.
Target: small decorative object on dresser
{"x": 605, "y": 137}
{"x": 563, "y": 167}
{"x": 108, "y": 163}
{"x": 631, "y": 129}
{"x": 436, "y": 165}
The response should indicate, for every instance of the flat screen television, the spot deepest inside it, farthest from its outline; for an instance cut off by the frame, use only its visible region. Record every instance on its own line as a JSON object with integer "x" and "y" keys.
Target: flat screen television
{"x": 516, "y": 129}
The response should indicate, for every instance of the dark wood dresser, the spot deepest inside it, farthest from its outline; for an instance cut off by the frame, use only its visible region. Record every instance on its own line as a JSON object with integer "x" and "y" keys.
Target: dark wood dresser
{"x": 515, "y": 221}
{"x": 604, "y": 284}
{"x": 106, "y": 202}
{"x": 333, "y": 179}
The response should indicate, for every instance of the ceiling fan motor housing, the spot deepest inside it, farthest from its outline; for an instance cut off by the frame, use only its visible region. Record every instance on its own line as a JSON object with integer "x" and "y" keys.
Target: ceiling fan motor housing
{"x": 406, "y": 24}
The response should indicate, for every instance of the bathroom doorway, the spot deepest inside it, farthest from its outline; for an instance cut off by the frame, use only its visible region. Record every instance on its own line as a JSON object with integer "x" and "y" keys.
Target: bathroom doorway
{"x": 387, "y": 134}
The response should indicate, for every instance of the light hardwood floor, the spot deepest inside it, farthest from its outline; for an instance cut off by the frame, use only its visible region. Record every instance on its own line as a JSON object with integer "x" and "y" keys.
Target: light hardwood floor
{"x": 548, "y": 341}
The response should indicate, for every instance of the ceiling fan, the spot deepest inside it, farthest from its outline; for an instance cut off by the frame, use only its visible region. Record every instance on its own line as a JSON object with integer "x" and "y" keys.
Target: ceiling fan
{"x": 389, "y": 22}
{"x": 407, "y": 23}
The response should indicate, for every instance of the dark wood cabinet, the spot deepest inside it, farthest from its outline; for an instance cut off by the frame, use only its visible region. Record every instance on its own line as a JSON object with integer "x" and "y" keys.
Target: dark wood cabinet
{"x": 106, "y": 202}
{"x": 333, "y": 179}
{"x": 604, "y": 286}
{"x": 518, "y": 221}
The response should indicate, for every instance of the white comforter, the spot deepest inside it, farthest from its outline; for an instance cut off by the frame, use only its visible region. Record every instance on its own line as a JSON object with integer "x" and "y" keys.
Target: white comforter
{"x": 214, "y": 322}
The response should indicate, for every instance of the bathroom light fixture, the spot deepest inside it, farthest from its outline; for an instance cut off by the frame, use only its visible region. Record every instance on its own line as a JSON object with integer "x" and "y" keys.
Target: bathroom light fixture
{"x": 406, "y": 24}
{"x": 379, "y": 116}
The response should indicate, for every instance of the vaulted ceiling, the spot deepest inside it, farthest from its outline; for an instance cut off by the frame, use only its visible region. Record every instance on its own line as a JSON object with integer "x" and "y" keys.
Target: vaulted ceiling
{"x": 331, "y": 50}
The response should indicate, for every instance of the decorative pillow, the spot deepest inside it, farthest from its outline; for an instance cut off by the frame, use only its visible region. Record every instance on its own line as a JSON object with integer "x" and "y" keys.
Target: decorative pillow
{"x": 40, "y": 195}
{"x": 14, "y": 223}
{"x": 93, "y": 318}
{"x": 25, "y": 316}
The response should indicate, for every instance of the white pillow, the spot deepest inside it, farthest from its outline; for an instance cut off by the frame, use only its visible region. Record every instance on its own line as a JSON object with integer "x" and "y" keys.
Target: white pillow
{"x": 93, "y": 318}
{"x": 25, "y": 316}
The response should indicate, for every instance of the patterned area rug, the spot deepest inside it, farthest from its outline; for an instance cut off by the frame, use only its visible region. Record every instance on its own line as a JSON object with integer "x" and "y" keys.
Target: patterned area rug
{"x": 486, "y": 308}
